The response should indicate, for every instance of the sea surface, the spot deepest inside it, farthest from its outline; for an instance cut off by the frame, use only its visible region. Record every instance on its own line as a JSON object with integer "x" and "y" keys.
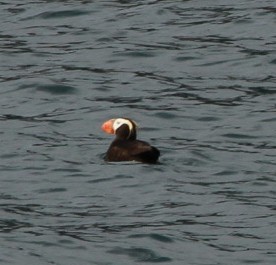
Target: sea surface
{"x": 199, "y": 78}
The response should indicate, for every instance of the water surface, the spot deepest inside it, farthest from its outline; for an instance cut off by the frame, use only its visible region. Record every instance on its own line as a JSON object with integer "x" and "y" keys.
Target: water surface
{"x": 199, "y": 79}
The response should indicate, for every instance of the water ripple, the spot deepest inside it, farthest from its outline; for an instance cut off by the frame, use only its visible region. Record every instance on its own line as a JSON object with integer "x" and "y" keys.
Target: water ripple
{"x": 199, "y": 80}
{"x": 140, "y": 254}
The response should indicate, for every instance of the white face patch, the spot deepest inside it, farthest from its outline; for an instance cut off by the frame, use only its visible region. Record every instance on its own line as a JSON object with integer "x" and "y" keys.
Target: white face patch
{"x": 119, "y": 122}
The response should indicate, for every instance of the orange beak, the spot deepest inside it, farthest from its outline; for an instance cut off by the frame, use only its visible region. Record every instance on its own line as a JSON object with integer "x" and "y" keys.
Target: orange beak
{"x": 108, "y": 126}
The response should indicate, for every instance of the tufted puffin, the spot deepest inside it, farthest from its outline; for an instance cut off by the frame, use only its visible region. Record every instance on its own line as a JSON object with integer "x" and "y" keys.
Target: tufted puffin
{"x": 125, "y": 147}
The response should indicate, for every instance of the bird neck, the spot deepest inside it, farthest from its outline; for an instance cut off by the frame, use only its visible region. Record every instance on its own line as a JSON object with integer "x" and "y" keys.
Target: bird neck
{"x": 124, "y": 133}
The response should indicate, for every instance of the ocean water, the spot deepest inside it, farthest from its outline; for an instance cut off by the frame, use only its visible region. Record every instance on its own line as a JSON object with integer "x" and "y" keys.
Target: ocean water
{"x": 199, "y": 79}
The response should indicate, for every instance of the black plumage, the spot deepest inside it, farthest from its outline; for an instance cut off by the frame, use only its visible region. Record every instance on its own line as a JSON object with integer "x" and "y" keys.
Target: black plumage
{"x": 126, "y": 147}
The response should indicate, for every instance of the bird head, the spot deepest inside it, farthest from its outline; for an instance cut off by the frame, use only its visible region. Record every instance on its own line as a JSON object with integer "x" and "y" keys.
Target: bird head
{"x": 123, "y": 128}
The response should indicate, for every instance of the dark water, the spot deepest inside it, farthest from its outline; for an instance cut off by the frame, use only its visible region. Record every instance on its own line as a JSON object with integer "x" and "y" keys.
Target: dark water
{"x": 197, "y": 76}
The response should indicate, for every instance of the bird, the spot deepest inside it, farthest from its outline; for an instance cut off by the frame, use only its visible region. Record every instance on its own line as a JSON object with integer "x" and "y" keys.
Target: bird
{"x": 125, "y": 146}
